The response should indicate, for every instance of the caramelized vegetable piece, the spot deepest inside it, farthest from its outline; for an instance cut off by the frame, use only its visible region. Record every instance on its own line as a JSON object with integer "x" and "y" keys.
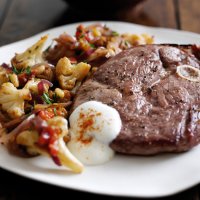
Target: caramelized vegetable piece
{"x": 12, "y": 99}
{"x": 3, "y": 75}
{"x": 31, "y": 56}
{"x": 64, "y": 155}
{"x": 50, "y": 142}
{"x": 68, "y": 74}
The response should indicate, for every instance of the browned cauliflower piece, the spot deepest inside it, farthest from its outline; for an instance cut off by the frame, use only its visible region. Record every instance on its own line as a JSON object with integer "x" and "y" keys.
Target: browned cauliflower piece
{"x": 135, "y": 39}
{"x": 32, "y": 56}
{"x": 29, "y": 138}
{"x": 3, "y": 75}
{"x": 12, "y": 99}
{"x": 68, "y": 75}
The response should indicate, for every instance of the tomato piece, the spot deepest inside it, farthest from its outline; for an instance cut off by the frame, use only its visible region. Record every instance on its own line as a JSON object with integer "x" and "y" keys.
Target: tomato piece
{"x": 79, "y": 31}
{"x": 44, "y": 137}
{"x": 53, "y": 143}
{"x": 46, "y": 114}
{"x": 49, "y": 139}
{"x": 53, "y": 148}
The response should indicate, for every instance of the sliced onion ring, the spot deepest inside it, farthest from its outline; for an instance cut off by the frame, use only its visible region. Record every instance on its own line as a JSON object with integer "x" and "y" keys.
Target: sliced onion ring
{"x": 188, "y": 72}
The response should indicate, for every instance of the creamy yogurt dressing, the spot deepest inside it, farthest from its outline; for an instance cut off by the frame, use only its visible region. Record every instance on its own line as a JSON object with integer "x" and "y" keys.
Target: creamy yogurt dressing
{"x": 93, "y": 126}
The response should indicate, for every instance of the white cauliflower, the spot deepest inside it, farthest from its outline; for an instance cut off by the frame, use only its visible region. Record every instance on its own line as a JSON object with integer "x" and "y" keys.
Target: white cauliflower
{"x": 64, "y": 155}
{"x": 3, "y": 76}
{"x": 135, "y": 39}
{"x": 68, "y": 75}
{"x": 32, "y": 85}
{"x": 6, "y": 76}
{"x": 29, "y": 138}
{"x": 12, "y": 99}
{"x": 31, "y": 56}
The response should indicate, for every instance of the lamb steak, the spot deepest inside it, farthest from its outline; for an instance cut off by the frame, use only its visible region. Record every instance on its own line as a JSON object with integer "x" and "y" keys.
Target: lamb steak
{"x": 160, "y": 111}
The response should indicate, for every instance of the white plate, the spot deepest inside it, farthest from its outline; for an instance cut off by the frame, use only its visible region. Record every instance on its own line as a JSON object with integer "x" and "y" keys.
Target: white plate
{"x": 125, "y": 175}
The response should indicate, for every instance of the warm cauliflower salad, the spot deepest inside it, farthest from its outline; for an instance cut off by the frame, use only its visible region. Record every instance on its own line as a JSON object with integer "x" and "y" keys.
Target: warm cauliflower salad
{"x": 38, "y": 86}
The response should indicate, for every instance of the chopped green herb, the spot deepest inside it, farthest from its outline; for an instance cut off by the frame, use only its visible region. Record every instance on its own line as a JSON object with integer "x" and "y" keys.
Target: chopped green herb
{"x": 47, "y": 49}
{"x": 46, "y": 98}
{"x": 28, "y": 70}
{"x": 82, "y": 36}
{"x": 114, "y": 33}
{"x": 16, "y": 71}
{"x": 92, "y": 45}
{"x": 55, "y": 98}
{"x": 19, "y": 71}
{"x": 126, "y": 43}
{"x": 55, "y": 111}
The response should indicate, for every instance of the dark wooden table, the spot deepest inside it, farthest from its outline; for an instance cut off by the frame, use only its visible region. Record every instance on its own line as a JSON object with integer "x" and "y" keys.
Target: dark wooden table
{"x": 22, "y": 18}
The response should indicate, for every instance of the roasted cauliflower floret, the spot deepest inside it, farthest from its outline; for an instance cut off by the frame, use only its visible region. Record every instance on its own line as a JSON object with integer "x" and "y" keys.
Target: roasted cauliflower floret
{"x": 29, "y": 138}
{"x": 35, "y": 141}
{"x": 68, "y": 75}
{"x": 12, "y": 99}
{"x": 37, "y": 86}
{"x": 3, "y": 76}
{"x": 8, "y": 76}
{"x": 31, "y": 56}
{"x": 32, "y": 85}
{"x": 64, "y": 155}
{"x": 43, "y": 71}
{"x": 135, "y": 39}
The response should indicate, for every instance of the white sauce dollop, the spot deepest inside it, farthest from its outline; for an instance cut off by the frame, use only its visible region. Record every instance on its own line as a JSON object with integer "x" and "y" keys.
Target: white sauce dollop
{"x": 93, "y": 126}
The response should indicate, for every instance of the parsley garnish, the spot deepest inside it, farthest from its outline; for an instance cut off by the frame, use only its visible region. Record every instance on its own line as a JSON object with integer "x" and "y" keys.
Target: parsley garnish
{"x": 55, "y": 111}
{"x": 55, "y": 97}
{"x": 46, "y": 98}
{"x": 28, "y": 70}
{"x": 17, "y": 71}
{"x": 114, "y": 33}
{"x": 47, "y": 49}
{"x": 92, "y": 45}
{"x": 82, "y": 36}
{"x": 126, "y": 43}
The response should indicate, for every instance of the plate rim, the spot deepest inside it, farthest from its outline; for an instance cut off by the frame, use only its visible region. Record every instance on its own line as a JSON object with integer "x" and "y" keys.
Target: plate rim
{"x": 19, "y": 172}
